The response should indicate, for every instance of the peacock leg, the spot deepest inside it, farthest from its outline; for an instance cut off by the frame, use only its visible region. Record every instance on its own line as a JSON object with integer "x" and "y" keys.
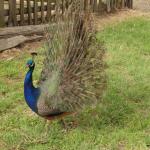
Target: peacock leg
{"x": 63, "y": 123}
{"x": 46, "y": 126}
{"x": 73, "y": 123}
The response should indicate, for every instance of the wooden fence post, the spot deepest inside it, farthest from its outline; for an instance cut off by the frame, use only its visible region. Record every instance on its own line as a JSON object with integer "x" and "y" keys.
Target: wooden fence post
{"x": 131, "y": 4}
{"x": 100, "y": 6}
{"x": 108, "y": 5}
{"x": 122, "y": 3}
{"x": 115, "y": 4}
{"x": 42, "y": 11}
{"x": 12, "y": 20}
{"x": 85, "y": 4}
{"x": 62, "y": 7}
{"x": 35, "y": 12}
{"x": 112, "y": 6}
{"x": 92, "y": 4}
{"x": 49, "y": 10}
{"x": 66, "y": 4}
{"x": 95, "y": 6}
{"x": 21, "y": 12}
{"x": 2, "y": 20}
{"x": 29, "y": 12}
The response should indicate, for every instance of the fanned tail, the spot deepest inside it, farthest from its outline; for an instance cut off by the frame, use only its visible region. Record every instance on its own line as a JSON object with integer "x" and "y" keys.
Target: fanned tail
{"x": 71, "y": 77}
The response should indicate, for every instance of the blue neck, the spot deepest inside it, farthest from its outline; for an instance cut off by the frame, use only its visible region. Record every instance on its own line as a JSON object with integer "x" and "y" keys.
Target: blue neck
{"x": 31, "y": 93}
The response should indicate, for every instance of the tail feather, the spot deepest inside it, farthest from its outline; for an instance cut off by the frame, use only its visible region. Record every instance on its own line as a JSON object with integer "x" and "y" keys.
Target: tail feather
{"x": 72, "y": 68}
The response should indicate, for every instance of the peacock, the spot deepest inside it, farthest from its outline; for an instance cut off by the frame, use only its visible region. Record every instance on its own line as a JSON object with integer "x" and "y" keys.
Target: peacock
{"x": 72, "y": 74}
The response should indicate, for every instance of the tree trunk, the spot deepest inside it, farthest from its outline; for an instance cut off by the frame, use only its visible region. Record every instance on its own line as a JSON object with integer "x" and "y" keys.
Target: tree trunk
{"x": 22, "y": 30}
{"x": 15, "y": 41}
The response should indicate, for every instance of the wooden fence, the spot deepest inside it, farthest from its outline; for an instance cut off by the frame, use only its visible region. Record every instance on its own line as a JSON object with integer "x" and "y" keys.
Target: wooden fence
{"x": 29, "y": 12}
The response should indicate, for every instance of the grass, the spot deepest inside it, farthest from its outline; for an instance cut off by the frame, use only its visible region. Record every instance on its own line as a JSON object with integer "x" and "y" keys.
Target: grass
{"x": 122, "y": 121}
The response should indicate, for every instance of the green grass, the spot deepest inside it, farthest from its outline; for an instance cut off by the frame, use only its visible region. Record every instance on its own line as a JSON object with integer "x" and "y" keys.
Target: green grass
{"x": 122, "y": 121}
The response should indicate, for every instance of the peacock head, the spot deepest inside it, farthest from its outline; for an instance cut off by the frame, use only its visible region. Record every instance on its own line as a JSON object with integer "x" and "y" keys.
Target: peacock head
{"x": 30, "y": 64}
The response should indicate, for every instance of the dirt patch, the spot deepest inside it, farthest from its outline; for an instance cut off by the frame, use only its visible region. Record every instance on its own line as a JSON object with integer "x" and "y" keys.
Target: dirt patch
{"x": 24, "y": 48}
{"x": 142, "y": 5}
{"x": 114, "y": 18}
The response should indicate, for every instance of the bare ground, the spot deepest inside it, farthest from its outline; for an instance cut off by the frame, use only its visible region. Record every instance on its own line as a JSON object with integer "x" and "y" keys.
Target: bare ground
{"x": 108, "y": 19}
{"x": 142, "y": 5}
{"x": 24, "y": 48}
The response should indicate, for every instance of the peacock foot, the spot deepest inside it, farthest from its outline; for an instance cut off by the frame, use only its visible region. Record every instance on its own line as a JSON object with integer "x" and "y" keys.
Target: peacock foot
{"x": 68, "y": 125}
{"x": 46, "y": 126}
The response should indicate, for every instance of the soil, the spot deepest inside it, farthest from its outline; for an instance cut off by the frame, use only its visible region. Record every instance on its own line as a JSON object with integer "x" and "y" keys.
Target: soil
{"x": 24, "y": 48}
{"x": 142, "y": 5}
{"x": 108, "y": 19}
{"x": 140, "y": 8}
